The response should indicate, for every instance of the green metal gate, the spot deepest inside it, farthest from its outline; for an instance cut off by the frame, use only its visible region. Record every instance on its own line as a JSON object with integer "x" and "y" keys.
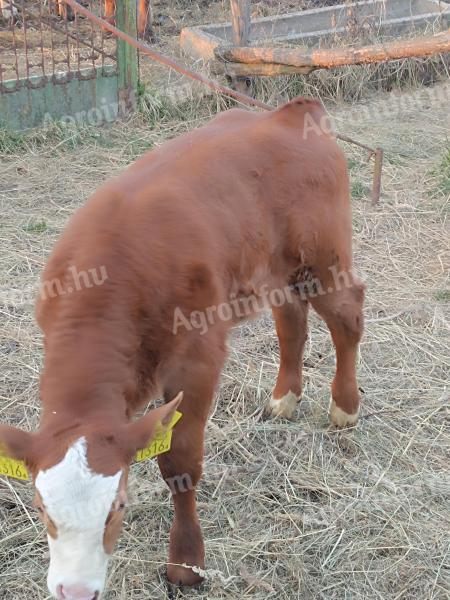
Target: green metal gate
{"x": 62, "y": 67}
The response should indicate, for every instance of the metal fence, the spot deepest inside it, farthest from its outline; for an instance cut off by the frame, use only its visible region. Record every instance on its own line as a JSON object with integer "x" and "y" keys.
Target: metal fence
{"x": 55, "y": 64}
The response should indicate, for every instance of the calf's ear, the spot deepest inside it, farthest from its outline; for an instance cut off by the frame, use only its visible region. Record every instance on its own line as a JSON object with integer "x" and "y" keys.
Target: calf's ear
{"x": 141, "y": 432}
{"x": 15, "y": 443}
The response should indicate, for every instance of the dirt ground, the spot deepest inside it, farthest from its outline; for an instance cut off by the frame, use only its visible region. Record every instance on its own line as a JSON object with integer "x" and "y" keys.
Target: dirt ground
{"x": 289, "y": 510}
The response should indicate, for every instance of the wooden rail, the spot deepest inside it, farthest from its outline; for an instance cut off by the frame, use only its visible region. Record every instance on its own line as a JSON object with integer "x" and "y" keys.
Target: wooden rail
{"x": 240, "y": 15}
{"x": 275, "y": 61}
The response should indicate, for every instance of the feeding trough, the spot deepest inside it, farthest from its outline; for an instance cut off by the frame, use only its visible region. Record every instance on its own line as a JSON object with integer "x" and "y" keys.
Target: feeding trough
{"x": 315, "y": 28}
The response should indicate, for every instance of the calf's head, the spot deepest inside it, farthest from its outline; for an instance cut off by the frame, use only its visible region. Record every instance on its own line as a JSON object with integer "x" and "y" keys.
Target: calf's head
{"x": 81, "y": 479}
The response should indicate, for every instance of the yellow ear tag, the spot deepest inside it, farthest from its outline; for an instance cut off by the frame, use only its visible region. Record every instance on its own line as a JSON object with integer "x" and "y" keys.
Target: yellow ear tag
{"x": 10, "y": 467}
{"x": 161, "y": 443}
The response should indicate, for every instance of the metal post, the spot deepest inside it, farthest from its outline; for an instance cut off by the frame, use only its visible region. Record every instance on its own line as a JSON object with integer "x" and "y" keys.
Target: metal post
{"x": 127, "y": 56}
{"x": 376, "y": 185}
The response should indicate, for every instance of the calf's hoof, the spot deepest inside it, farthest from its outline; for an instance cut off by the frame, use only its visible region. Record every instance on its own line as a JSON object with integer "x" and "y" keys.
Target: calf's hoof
{"x": 283, "y": 407}
{"x": 182, "y": 576}
{"x": 186, "y": 548}
{"x": 340, "y": 418}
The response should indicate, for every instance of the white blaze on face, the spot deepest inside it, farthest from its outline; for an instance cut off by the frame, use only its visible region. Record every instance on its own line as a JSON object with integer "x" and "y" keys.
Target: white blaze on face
{"x": 78, "y": 502}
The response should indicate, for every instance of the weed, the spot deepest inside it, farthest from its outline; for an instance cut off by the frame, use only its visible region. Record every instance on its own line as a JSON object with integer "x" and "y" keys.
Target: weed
{"x": 442, "y": 296}
{"x": 11, "y": 142}
{"x": 444, "y": 172}
{"x": 359, "y": 190}
{"x": 37, "y": 227}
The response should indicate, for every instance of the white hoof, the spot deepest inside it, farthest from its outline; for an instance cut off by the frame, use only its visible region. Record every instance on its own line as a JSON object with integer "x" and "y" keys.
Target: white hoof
{"x": 283, "y": 407}
{"x": 340, "y": 418}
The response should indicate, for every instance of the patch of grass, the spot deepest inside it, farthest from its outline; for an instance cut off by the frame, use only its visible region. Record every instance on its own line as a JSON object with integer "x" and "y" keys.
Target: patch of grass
{"x": 442, "y": 296}
{"x": 37, "y": 227}
{"x": 155, "y": 107}
{"x": 393, "y": 159}
{"x": 136, "y": 147}
{"x": 185, "y": 104}
{"x": 359, "y": 190}
{"x": 11, "y": 142}
{"x": 442, "y": 175}
{"x": 444, "y": 184}
{"x": 57, "y": 135}
{"x": 71, "y": 136}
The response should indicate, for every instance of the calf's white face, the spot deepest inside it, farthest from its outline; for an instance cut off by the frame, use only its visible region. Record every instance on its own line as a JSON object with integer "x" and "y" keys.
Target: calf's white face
{"x": 81, "y": 508}
{"x": 76, "y": 503}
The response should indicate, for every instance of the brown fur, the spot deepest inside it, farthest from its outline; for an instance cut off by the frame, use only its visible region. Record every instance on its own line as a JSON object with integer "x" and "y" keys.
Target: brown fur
{"x": 242, "y": 203}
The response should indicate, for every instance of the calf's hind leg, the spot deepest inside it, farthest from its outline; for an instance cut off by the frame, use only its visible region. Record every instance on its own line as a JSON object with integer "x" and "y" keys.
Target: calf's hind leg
{"x": 291, "y": 326}
{"x": 342, "y": 312}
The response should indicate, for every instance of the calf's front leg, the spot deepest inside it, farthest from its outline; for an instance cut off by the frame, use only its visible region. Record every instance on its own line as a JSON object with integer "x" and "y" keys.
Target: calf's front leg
{"x": 181, "y": 468}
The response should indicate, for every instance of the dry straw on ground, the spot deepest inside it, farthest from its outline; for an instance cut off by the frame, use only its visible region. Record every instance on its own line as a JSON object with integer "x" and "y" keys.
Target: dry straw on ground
{"x": 290, "y": 510}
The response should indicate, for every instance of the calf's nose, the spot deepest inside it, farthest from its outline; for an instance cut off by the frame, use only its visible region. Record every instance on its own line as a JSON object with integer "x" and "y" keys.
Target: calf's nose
{"x": 76, "y": 592}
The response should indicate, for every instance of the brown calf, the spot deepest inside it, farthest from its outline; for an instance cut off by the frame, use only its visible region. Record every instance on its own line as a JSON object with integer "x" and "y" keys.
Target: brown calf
{"x": 249, "y": 207}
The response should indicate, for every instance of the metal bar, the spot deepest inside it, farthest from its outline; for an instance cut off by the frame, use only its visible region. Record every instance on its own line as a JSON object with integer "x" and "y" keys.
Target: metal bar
{"x": 53, "y": 27}
{"x": 25, "y": 42}
{"x": 92, "y": 36}
{"x": 42, "y": 38}
{"x": 66, "y": 30}
{"x": 77, "y": 35}
{"x": 102, "y": 33}
{"x": 376, "y": 184}
{"x": 349, "y": 140}
{"x": 84, "y": 42}
{"x": 16, "y": 59}
{"x": 28, "y": 64}
{"x": 52, "y": 44}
